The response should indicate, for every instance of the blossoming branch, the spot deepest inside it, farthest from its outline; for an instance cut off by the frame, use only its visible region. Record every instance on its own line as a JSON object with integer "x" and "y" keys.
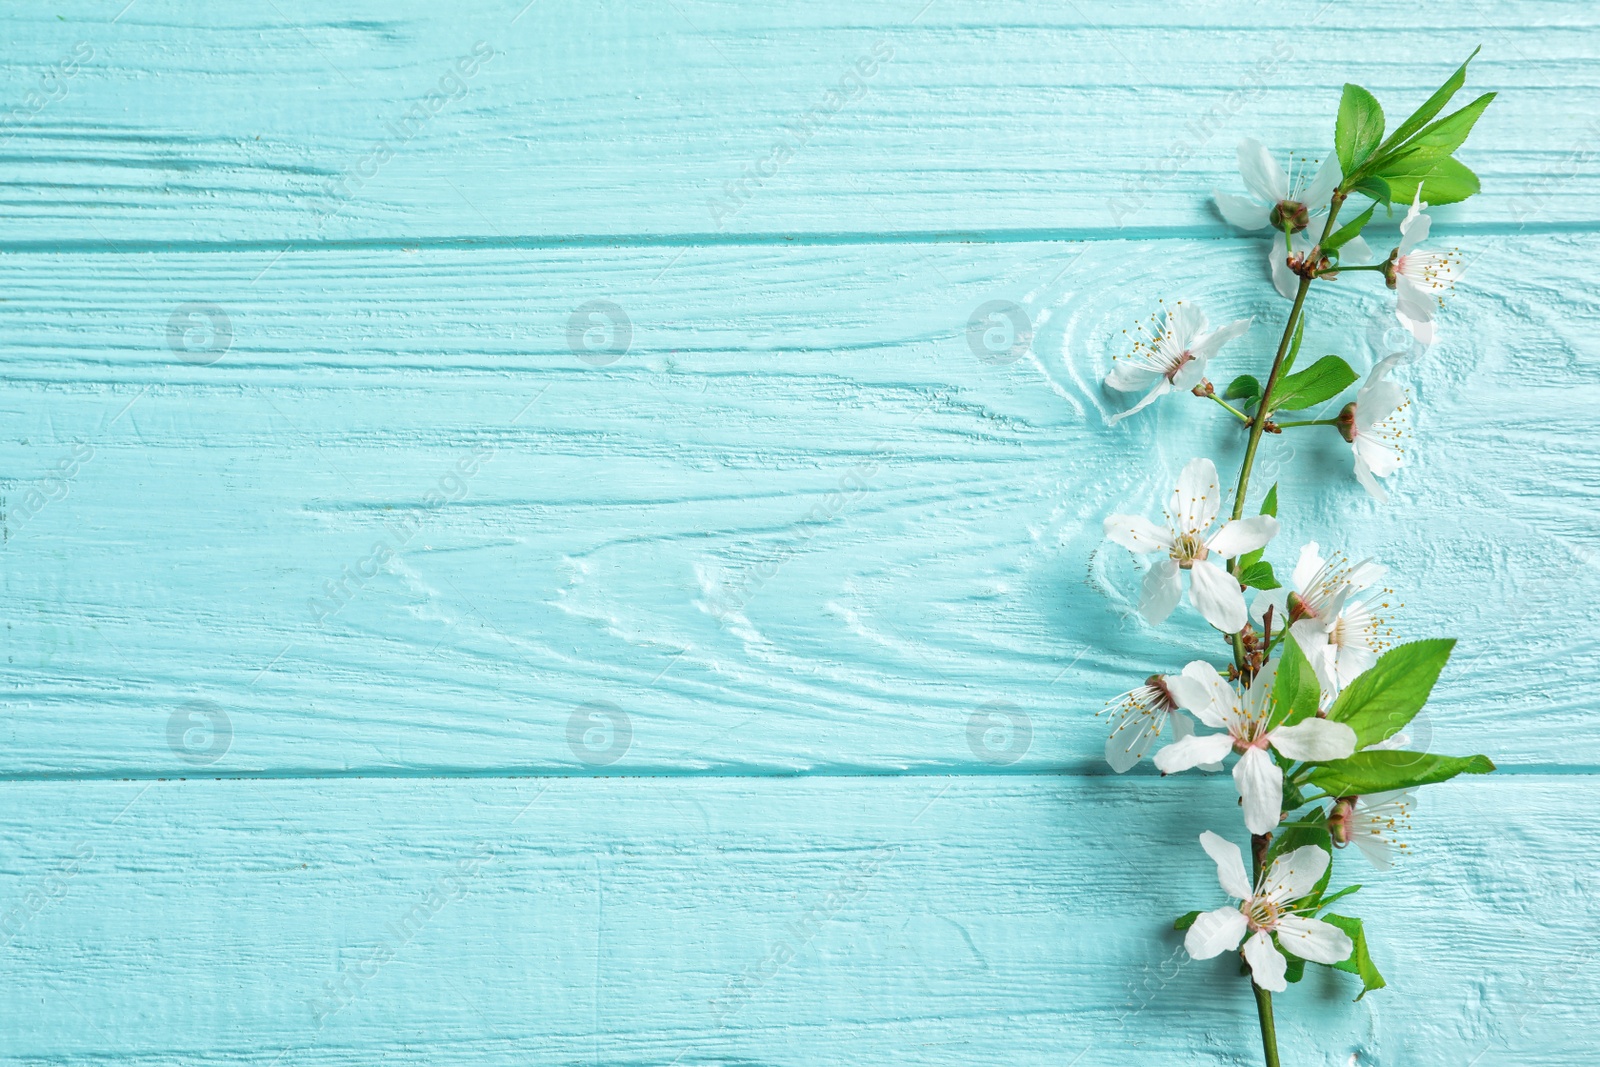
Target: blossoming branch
{"x": 1315, "y": 694}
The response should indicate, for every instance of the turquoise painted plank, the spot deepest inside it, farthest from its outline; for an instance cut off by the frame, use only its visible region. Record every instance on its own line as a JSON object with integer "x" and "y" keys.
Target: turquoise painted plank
{"x": 298, "y": 122}
{"x": 922, "y": 920}
{"x": 798, "y": 526}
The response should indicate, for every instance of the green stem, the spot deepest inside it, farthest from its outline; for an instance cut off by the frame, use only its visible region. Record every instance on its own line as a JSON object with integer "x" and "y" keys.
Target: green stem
{"x": 1269, "y": 1032}
{"x": 1308, "y": 422}
{"x": 1262, "y": 411}
{"x": 1259, "y": 843}
{"x": 1344, "y": 270}
{"x": 1241, "y": 415}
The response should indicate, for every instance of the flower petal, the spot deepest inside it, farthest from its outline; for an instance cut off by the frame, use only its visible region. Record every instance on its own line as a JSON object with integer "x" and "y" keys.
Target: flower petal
{"x": 1260, "y": 784}
{"x": 1307, "y": 566}
{"x": 1295, "y": 874}
{"x": 1163, "y": 387}
{"x": 1161, "y": 592}
{"x": 1261, "y": 173}
{"x": 1314, "y": 940}
{"x": 1230, "y": 864}
{"x": 1366, "y": 574}
{"x": 1137, "y": 533}
{"x": 1243, "y": 535}
{"x": 1135, "y": 734}
{"x": 1347, "y": 662}
{"x": 1318, "y": 740}
{"x": 1355, "y": 252}
{"x": 1196, "y": 498}
{"x": 1216, "y": 596}
{"x": 1267, "y": 965}
{"x": 1197, "y": 689}
{"x": 1208, "y": 345}
{"x": 1130, "y": 376}
{"x": 1276, "y": 599}
{"x": 1368, "y": 482}
{"x": 1286, "y": 281}
{"x": 1192, "y": 751}
{"x": 1320, "y": 191}
{"x": 1415, "y": 312}
{"x": 1382, "y": 401}
{"x": 1201, "y": 690}
{"x": 1414, "y": 230}
{"x": 1185, "y": 322}
{"x": 1215, "y": 932}
{"x": 1377, "y": 851}
{"x": 1243, "y": 212}
{"x": 1182, "y": 727}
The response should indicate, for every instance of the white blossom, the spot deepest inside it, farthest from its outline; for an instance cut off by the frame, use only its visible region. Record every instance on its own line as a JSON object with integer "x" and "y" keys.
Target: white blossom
{"x": 1191, "y": 546}
{"x": 1285, "y": 200}
{"x": 1372, "y": 824}
{"x": 1246, "y": 716}
{"x": 1377, "y": 425}
{"x": 1338, "y": 615}
{"x": 1140, "y": 715}
{"x": 1420, "y": 279}
{"x": 1267, "y": 910}
{"x": 1173, "y": 357}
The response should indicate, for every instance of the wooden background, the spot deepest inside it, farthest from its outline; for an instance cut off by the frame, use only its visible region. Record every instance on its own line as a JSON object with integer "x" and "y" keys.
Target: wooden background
{"x": 730, "y": 698}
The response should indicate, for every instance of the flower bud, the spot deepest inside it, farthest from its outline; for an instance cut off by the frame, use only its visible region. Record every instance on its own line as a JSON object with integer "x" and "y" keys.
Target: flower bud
{"x": 1346, "y": 423}
{"x": 1290, "y": 212}
{"x": 1339, "y": 820}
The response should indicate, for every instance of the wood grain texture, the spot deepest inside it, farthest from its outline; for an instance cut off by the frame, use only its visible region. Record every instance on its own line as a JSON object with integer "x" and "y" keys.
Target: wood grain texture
{"x": 919, "y": 920}
{"x": 731, "y": 700}
{"x": 798, "y": 526}
{"x": 294, "y": 121}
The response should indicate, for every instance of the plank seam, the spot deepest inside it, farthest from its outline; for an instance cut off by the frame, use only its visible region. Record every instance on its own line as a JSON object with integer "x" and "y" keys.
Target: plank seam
{"x": 1028, "y": 235}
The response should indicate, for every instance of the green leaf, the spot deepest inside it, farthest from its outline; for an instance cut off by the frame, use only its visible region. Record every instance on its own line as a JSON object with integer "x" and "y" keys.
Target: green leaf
{"x": 1295, "y": 691}
{"x": 1449, "y": 182}
{"x": 1331, "y": 897}
{"x": 1384, "y": 769}
{"x": 1269, "y": 506}
{"x": 1244, "y": 387}
{"x": 1360, "y": 961}
{"x": 1296, "y": 968}
{"x": 1382, "y": 699}
{"x": 1348, "y": 232}
{"x": 1323, "y": 380}
{"x": 1445, "y": 182}
{"x": 1294, "y": 349}
{"x": 1359, "y": 129}
{"x": 1258, "y": 575}
{"x": 1431, "y": 107}
{"x": 1438, "y": 141}
{"x": 1186, "y": 920}
{"x": 1375, "y": 187}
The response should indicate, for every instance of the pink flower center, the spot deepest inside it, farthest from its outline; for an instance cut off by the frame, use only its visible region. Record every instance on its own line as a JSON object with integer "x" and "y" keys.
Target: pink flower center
{"x": 1261, "y": 914}
{"x": 1183, "y": 360}
{"x": 1249, "y": 739}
